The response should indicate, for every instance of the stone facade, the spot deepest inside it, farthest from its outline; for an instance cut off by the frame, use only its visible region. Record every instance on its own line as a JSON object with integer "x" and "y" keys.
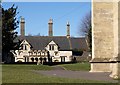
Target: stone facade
{"x": 105, "y": 21}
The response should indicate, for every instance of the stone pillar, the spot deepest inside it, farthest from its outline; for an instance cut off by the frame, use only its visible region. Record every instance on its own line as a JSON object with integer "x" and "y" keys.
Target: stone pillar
{"x": 50, "y": 23}
{"x": 113, "y": 65}
{"x": 102, "y": 39}
{"x": 115, "y": 61}
{"x": 118, "y": 61}
{"x": 22, "y": 25}
{"x": 106, "y": 37}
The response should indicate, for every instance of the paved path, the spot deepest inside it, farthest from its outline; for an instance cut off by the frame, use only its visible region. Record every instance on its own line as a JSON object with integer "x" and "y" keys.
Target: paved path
{"x": 58, "y": 67}
{"x": 60, "y": 72}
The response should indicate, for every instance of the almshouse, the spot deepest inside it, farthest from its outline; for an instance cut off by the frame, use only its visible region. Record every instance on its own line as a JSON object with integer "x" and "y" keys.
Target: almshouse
{"x": 48, "y": 48}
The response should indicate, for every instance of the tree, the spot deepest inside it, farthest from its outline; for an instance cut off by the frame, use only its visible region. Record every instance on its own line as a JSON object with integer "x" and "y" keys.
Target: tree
{"x": 9, "y": 25}
{"x": 86, "y": 28}
{"x": 0, "y": 33}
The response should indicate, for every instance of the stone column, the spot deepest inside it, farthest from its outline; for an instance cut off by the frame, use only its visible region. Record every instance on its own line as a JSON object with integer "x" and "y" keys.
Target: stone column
{"x": 106, "y": 37}
{"x": 118, "y": 62}
{"x": 113, "y": 60}
{"x": 103, "y": 36}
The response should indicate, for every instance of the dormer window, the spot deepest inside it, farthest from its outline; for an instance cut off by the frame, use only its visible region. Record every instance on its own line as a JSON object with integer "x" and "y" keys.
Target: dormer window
{"x": 51, "y": 47}
{"x": 24, "y": 47}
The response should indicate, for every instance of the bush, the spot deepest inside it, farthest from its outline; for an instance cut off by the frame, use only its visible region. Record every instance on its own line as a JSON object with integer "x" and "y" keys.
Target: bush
{"x": 19, "y": 61}
{"x": 77, "y": 53}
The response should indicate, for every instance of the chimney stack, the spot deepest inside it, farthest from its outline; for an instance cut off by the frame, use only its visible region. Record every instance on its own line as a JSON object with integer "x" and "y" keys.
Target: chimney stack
{"x": 68, "y": 29}
{"x": 50, "y": 23}
{"x": 22, "y": 27}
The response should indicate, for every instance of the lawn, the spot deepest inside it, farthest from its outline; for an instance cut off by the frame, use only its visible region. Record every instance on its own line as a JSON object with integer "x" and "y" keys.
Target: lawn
{"x": 77, "y": 66}
{"x": 23, "y": 74}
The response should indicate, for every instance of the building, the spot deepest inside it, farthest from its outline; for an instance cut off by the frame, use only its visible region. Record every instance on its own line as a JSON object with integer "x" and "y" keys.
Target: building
{"x": 48, "y": 48}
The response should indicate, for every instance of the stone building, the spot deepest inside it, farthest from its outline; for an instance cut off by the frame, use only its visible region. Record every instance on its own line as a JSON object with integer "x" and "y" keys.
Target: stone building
{"x": 48, "y": 48}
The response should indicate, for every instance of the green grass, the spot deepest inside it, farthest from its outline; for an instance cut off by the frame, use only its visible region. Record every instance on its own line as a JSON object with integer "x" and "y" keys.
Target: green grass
{"x": 77, "y": 66}
{"x": 26, "y": 67}
{"x": 23, "y": 74}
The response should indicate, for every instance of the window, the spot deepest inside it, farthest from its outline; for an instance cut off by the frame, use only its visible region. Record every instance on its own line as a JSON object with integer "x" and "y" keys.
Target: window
{"x": 44, "y": 59}
{"x": 56, "y": 53}
{"x": 40, "y": 59}
{"x": 35, "y": 53}
{"x": 36, "y": 59}
{"x": 51, "y": 47}
{"x": 32, "y": 59}
{"x": 25, "y": 47}
{"x": 39, "y": 53}
{"x": 25, "y": 59}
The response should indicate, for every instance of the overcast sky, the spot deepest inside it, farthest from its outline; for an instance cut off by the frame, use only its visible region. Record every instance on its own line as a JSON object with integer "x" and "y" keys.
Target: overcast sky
{"x": 37, "y": 15}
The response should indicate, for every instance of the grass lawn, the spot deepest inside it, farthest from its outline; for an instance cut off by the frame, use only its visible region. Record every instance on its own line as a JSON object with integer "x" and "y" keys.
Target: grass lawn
{"x": 23, "y": 74}
{"x": 77, "y": 66}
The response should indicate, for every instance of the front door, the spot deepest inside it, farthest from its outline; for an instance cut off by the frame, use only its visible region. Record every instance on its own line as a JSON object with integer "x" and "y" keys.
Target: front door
{"x": 62, "y": 58}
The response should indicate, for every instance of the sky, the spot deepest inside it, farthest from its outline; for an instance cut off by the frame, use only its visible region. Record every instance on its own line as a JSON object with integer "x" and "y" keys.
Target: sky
{"x": 37, "y": 15}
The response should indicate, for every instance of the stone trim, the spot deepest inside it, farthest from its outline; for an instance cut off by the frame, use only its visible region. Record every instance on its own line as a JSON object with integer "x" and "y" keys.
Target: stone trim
{"x": 100, "y": 60}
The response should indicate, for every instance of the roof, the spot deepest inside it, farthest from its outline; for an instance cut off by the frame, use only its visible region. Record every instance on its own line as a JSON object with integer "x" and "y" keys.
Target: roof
{"x": 64, "y": 43}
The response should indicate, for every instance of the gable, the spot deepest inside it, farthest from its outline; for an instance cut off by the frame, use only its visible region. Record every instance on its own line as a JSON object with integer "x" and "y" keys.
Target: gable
{"x": 25, "y": 43}
{"x": 52, "y": 46}
{"x": 52, "y": 42}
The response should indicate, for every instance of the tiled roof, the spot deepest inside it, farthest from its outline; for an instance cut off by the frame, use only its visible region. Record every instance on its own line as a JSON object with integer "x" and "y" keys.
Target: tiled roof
{"x": 64, "y": 43}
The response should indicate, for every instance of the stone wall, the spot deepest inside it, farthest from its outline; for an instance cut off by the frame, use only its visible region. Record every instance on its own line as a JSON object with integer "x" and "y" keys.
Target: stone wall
{"x": 103, "y": 29}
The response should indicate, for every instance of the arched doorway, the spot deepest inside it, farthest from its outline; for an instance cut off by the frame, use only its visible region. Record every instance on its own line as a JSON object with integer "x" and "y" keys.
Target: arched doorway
{"x": 32, "y": 59}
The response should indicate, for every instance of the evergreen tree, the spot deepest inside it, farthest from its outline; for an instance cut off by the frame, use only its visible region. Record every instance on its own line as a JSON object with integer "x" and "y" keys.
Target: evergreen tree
{"x": 9, "y": 25}
{"x": 0, "y": 33}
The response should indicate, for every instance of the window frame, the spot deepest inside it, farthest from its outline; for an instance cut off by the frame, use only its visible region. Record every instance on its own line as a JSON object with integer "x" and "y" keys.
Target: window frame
{"x": 51, "y": 47}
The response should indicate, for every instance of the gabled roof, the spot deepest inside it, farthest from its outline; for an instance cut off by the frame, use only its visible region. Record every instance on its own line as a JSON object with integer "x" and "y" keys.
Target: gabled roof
{"x": 64, "y": 43}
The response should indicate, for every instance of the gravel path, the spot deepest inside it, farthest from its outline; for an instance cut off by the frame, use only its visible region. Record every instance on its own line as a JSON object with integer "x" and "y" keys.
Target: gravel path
{"x": 58, "y": 68}
{"x": 61, "y": 72}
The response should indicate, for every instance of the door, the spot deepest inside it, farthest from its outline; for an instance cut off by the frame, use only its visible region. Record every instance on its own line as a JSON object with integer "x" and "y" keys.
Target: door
{"x": 63, "y": 58}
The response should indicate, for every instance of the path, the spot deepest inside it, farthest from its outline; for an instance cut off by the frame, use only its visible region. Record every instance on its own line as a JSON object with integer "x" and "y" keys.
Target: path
{"x": 57, "y": 67}
{"x": 61, "y": 72}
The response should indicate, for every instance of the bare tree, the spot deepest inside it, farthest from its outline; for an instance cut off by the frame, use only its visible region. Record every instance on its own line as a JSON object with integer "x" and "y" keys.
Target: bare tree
{"x": 86, "y": 28}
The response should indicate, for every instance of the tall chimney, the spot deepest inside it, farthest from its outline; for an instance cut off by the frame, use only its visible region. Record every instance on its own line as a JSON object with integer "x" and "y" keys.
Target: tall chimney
{"x": 22, "y": 27}
{"x": 50, "y": 23}
{"x": 68, "y": 29}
